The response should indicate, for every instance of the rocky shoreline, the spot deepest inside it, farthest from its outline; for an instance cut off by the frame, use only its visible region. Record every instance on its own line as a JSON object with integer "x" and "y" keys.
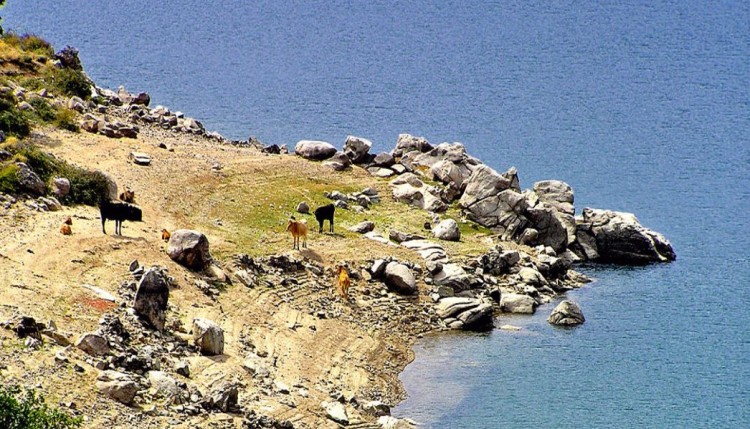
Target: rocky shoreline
{"x": 143, "y": 356}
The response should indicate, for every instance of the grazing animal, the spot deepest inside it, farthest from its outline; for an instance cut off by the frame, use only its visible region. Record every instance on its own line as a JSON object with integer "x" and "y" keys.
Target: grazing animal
{"x": 343, "y": 282}
{"x": 119, "y": 211}
{"x": 298, "y": 228}
{"x": 165, "y": 235}
{"x": 324, "y": 213}
{"x": 128, "y": 196}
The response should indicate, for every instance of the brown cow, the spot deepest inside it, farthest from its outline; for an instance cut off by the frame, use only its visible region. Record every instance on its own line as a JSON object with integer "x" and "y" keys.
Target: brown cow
{"x": 128, "y": 196}
{"x": 165, "y": 235}
{"x": 298, "y": 229}
{"x": 343, "y": 282}
{"x": 65, "y": 227}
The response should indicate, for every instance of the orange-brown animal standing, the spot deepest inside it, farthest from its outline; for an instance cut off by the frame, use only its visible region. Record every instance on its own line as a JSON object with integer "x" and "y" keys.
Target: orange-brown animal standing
{"x": 298, "y": 228}
{"x": 65, "y": 227}
{"x": 128, "y": 196}
{"x": 165, "y": 235}
{"x": 343, "y": 282}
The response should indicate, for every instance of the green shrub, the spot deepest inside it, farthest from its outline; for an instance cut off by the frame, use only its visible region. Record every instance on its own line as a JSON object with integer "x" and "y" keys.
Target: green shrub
{"x": 24, "y": 409}
{"x": 14, "y": 122}
{"x": 86, "y": 187}
{"x": 37, "y": 45}
{"x": 43, "y": 110}
{"x": 70, "y": 82}
{"x": 66, "y": 119}
{"x": 8, "y": 178}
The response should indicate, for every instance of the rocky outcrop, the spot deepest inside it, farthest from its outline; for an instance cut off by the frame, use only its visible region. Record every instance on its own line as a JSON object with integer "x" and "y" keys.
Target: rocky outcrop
{"x": 618, "y": 237}
{"x": 408, "y": 143}
{"x": 357, "y": 149}
{"x": 410, "y": 190}
{"x": 363, "y": 227}
{"x": 314, "y": 150}
{"x": 567, "y": 313}
{"x": 151, "y": 298}
{"x": 189, "y": 248}
{"x": 60, "y": 187}
{"x": 208, "y": 336}
{"x": 336, "y": 412}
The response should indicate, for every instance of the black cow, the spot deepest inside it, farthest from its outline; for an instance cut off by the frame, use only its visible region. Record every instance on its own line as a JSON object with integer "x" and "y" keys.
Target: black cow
{"x": 325, "y": 213}
{"x": 119, "y": 211}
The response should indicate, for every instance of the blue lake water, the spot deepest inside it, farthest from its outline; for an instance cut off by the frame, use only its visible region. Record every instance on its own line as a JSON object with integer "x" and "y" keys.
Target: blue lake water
{"x": 639, "y": 106}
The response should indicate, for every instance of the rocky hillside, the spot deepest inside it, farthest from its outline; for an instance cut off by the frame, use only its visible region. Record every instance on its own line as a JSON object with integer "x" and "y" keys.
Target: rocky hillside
{"x": 223, "y": 324}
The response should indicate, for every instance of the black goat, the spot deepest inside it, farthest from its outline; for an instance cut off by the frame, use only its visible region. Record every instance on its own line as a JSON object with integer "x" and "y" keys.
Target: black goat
{"x": 119, "y": 211}
{"x": 325, "y": 212}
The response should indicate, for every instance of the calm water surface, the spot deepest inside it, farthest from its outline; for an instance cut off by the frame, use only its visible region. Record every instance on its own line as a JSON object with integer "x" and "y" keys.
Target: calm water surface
{"x": 640, "y": 106}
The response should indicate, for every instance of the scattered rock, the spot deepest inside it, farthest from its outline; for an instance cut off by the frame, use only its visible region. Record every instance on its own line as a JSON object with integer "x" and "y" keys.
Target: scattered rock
{"x": 336, "y": 412}
{"x": 357, "y": 149}
{"x": 363, "y": 227}
{"x": 151, "y": 298}
{"x": 447, "y": 230}
{"x": 224, "y": 397}
{"x": 399, "y": 278}
{"x": 567, "y": 313}
{"x": 208, "y": 336}
{"x": 139, "y": 158}
{"x": 118, "y": 386}
{"x": 338, "y": 162}
{"x": 314, "y": 150}
{"x": 517, "y": 303}
{"x": 303, "y": 208}
{"x": 93, "y": 344}
{"x": 189, "y": 248}
{"x": 28, "y": 180}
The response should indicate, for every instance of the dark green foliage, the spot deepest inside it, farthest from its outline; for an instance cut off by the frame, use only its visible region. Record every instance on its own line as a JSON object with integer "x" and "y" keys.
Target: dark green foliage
{"x": 86, "y": 187}
{"x": 12, "y": 121}
{"x": 70, "y": 82}
{"x": 24, "y": 409}
{"x": 43, "y": 110}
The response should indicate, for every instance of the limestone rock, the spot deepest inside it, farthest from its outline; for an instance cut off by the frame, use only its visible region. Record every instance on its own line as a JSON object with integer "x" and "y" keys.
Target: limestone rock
{"x": 452, "y": 275}
{"x": 567, "y": 313}
{"x": 399, "y": 278}
{"x": 93, "y": 344}
{"x": 399, "y": 236}
{"x": 118, "y": 386}
{"x": 447, "y": 230}
{"x": 357, "y": 149}
{"x": 151, "y": 298}
{"x": 516, "y": 303}
{"x": 376, "y": 408}
{"x": 531, "y": 276}
{"x": 208, "y": 336}
{"x": 223, "y": 397}
{"x": 189, "y": 248}
{"x": 314, "y": 149}
{"x": 384, "y": 160}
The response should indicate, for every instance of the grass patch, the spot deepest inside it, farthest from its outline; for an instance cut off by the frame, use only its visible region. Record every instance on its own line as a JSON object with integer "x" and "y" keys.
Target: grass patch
{"x": 8, "y": 178}
{"x": 28, "y": 43}
{"x": 13, "y": 121}
{"x": 24, "y": 409}
{"x": 68, "y": 82}
{"x": 43, "y": 111}
{"x": 65, "y": 119}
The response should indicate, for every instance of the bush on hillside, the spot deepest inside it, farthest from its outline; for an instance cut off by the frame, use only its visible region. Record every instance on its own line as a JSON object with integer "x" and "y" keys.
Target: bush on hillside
{"x": 66, "y": 119}
{"x": 42, "y": 109}
{"x": 70, "y": 82}
{"x": 86, "y": 187}
{"x": 12, "y": 121}
{"x": 24, "y": 409}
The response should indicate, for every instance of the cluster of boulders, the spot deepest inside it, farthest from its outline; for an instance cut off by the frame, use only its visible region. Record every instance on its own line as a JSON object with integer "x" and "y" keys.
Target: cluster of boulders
{"x": 432, "y": 177}
{"x": 363, "y": 199}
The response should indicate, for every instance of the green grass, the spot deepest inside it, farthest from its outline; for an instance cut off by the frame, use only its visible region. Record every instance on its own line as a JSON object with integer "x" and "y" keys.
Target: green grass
{"x": 8, "y": 178}
{"x": 29, "y": 43}
{"x": 25, "y": 409}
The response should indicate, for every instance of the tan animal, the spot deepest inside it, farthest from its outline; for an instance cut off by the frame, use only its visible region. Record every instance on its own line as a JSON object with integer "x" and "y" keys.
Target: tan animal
{"x": 65, "y": 227}
{"x": 343, "y": 282}
{"x": 298, "y": 228}
{"x": 165, "y": 235}
{"x": 128, "y": 196}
